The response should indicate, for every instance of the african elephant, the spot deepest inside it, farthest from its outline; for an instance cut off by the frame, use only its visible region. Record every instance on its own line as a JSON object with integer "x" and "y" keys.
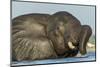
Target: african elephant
{"x": 41, "y": 36}
{"x": 75, "y": 35}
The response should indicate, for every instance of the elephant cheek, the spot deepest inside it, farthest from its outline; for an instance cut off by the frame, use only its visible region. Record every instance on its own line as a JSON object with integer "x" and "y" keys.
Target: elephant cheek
{"x": 62, "y": 30}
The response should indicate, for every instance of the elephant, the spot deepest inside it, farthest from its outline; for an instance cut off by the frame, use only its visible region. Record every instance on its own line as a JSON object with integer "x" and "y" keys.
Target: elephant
{"x": 75, "y": 35}
{"x": 41, "y": 36}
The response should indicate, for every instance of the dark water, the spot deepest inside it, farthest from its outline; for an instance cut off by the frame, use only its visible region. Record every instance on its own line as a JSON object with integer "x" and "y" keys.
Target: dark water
{"x": 88, "y": 57}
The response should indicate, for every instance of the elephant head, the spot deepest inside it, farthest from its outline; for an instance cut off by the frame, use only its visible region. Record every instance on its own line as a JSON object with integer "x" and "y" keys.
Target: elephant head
{"x": 74, "y": 35}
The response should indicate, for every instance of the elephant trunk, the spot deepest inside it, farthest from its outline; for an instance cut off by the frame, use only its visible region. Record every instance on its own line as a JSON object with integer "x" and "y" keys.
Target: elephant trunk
{"x": 85, "y": 34}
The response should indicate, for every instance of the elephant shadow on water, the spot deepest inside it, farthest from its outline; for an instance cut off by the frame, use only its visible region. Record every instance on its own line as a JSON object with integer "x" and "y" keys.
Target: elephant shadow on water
{"x": 43, "y": 36}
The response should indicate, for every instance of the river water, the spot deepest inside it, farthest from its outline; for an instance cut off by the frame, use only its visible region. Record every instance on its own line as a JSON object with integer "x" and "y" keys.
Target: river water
{"x": 90, "y": 56}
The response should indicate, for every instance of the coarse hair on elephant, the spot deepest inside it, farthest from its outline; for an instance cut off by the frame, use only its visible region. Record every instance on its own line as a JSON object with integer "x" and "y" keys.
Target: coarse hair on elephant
{"x": 75, "y": 35}
{"x": 41, "y": 36}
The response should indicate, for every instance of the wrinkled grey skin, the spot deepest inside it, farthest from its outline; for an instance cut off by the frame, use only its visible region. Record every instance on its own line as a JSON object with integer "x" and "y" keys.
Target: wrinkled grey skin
{"x": 29, "y": 38}
{"x": 42, "y": 36}
{"x": 72, "y": 31}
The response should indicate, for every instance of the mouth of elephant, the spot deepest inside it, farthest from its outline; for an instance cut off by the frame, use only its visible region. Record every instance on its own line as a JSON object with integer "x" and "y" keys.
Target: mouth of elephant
{"x": 69, "y": 53}
{"x": 75, "y": 46}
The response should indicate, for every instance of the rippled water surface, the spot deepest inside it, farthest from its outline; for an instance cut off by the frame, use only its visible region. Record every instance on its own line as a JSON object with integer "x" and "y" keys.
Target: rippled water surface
{"x": 88, "y": 57}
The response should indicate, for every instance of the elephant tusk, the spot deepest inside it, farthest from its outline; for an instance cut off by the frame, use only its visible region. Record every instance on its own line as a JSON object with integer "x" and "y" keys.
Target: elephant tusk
{"x": 71, "y": 46}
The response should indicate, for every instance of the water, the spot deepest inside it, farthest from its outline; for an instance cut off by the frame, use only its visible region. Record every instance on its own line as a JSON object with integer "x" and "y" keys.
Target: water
{"x": 88, "y": 57}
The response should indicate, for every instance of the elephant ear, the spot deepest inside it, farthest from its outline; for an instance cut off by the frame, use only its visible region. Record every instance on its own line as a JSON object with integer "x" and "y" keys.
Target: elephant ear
{"x": 85, "y": 34}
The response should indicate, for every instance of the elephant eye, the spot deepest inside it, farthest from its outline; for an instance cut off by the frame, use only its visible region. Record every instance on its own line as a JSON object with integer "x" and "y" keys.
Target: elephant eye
{"x": 58, "y": 28}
